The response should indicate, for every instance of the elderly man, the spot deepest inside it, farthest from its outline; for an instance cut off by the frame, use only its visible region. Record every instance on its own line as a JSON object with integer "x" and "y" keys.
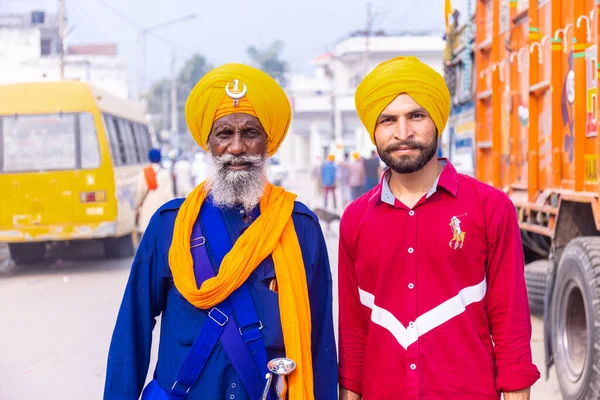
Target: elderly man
{"x": 433, "y": 303}
{"x": 238, "y": 271}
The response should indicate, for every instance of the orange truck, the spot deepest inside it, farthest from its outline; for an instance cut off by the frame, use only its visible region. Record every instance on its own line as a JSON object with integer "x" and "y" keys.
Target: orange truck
{"x": 536, "y": 137}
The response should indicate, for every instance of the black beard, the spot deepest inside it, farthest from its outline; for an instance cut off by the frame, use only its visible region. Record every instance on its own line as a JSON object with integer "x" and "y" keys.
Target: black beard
{"x": 409, "y": 163}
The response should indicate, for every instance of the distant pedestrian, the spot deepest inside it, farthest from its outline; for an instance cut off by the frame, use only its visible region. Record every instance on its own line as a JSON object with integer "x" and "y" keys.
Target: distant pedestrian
{"x": 182, "y": 173}
{"x": 328, "y": 178}
{"x": 372, "y": 171}
{"x": 356, "y": 176}
{"x": 316, "y": 176}
{"x": 343, "y": 174}
{"x": 154, "y": 188}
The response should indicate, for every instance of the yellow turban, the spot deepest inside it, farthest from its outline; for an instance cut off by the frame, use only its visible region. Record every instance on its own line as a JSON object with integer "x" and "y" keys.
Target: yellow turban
{"x": 402, "y": 75}
{"x": 263, "y": 98}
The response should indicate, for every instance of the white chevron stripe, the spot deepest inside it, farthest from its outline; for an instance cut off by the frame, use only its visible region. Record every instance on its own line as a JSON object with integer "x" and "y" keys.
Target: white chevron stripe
{"x": 426, "y": 322}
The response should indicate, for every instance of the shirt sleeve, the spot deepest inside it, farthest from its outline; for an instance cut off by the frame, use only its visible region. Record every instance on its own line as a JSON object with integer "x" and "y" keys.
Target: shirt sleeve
{"x": 352, "y": 326}
{"x": 143, "y": 301}
{"x": 507, "y": 302}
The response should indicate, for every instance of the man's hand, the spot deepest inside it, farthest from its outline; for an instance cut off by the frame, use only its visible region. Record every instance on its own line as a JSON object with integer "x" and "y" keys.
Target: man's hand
{"x": 346, "y": 394}
{"x": 518, "y": 395}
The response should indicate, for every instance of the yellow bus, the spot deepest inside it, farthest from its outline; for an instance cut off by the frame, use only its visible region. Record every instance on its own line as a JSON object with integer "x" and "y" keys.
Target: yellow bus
{"x": 69, "y": 157}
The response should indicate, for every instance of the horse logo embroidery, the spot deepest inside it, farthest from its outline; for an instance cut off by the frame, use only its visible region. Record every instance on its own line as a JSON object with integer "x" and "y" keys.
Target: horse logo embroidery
{"x": 458, "y": 236}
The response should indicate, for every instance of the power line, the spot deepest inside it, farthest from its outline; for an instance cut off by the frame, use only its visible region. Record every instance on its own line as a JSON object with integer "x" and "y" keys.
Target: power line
{"x": 409, "y": 9}
{"x": 121, "y": 14}
{"x": 139, "y": 26}
{"x": 96, "y": 33}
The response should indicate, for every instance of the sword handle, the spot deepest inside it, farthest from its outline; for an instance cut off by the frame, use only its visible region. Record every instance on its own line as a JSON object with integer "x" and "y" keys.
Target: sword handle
{"x": 281, "y": 387}
{"x": 265, "y": 394}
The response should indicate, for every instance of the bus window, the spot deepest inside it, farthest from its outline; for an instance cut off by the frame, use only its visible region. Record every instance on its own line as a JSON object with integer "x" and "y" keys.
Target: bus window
{"x": 127, "y": 138}
{"x": 38, "y": 142}
{"x": 144, "y": 133}
{"x": 121, "y": 140}
{"x": 143, "y": 147}
{"x": 116, "y": 143}
{"x": 137, "y": 143}
{"x": 88, "y": 139}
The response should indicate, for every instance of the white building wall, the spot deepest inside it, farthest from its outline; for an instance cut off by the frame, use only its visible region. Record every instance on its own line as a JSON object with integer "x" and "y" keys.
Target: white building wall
{"x": 21, "y": 61}
{"x": 311, "y": 96}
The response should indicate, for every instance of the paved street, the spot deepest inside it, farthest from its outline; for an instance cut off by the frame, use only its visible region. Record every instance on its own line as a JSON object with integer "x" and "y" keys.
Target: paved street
{"x": 57, "y": 319}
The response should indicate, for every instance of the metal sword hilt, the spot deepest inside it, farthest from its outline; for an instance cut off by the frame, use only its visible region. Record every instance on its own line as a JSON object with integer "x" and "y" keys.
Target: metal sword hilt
{"x": 281, "y": 367}
{"x": 269, "y": 377}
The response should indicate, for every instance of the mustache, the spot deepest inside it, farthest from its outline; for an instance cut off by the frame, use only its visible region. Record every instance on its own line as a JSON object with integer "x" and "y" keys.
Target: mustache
{"x": 399, "y": 145}
{"x": 232, "y": 160}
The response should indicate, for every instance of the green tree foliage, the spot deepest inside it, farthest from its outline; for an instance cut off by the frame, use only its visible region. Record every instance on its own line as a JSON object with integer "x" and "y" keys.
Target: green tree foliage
{"x": 268, "y": 60}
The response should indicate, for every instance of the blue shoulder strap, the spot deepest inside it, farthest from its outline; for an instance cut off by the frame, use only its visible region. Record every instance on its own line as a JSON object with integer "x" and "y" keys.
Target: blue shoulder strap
{"x": 243, "y": 306}
{"x": 244, "y": 345}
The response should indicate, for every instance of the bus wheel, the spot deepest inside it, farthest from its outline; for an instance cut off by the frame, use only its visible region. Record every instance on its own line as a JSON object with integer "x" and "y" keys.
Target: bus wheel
{"x": 27, "y": 253}
{"x": 576, "y": 319}
{"x": 120, "y": 247}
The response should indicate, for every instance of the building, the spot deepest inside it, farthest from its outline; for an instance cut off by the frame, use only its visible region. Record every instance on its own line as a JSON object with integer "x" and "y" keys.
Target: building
{"x": 30, "y": 51}
{"x": 324, "y": 116}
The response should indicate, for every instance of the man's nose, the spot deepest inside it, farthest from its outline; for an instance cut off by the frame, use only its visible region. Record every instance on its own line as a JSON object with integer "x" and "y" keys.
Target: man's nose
{"x": 237, "y": 145}
{"x": 402, "y": 131}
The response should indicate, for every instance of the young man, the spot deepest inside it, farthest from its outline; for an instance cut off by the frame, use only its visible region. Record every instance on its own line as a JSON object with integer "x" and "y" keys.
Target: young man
{"x": 238, "y": 271}
{"x": 433, "y": 303}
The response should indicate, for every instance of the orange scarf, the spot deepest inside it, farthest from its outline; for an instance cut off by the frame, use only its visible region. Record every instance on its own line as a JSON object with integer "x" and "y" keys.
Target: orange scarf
{"x": 272, "y": 233}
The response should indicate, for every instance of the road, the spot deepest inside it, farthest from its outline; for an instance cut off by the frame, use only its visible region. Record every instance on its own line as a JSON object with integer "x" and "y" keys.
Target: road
{"x": 57, "y": 320}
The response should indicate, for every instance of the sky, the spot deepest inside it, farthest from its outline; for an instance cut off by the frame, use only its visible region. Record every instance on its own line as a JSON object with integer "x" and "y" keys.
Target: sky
{"x": 223, "y": 29}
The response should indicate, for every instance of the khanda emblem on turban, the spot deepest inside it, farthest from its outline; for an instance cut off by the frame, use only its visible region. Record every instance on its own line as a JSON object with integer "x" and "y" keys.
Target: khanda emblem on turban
{"x": 236, "y": 94}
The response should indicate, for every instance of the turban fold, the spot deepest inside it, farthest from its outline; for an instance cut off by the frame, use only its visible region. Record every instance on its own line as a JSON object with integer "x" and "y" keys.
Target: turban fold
{"x": 238, "y": 88}
{"x": 402, "y": 75}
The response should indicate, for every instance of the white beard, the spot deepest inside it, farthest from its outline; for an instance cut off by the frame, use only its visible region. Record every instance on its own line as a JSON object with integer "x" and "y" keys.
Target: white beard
{"x": 237, "y": 188}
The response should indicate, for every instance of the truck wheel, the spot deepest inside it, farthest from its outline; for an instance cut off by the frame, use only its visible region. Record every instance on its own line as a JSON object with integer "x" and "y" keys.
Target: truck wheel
{"x": 27, "y": 253}
{"x": 120, "y": 247}
{"x": 536, "y": 277}
{"x": 576, "y": 319}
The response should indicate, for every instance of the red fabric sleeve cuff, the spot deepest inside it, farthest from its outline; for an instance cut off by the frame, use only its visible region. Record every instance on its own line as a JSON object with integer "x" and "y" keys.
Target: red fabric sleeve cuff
{"x": 517, "y": 378}
{"x": 350, "y": 384}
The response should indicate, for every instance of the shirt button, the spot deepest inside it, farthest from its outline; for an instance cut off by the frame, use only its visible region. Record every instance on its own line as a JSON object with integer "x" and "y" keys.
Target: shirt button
{"x": 241, "y": 211}
{"x": 232, "y": 396}
{"x": 411, "y": 213}
{"x": 411, "y": 286}
{"x": 233, "y": 385}
{"x": 411, "y": 324}
{"x": 413, "y": 366}
{"x": 411, "y": 250}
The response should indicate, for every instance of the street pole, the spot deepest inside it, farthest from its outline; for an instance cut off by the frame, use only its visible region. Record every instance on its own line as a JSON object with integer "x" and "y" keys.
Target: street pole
{"x": 164, "y": 108}
{"x": 174, "y": 116}
{"x": 367, "y": 34}
{"x": 142, "y": 42}
{"x": 142, "y": 66}
{"x": 61, "y": 36}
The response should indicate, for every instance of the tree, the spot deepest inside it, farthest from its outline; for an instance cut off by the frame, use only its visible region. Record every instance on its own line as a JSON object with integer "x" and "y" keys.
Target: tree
{"x": 192, "y": 71}
{"x": 159, "y": 95}
{"x": 268, "y": 60}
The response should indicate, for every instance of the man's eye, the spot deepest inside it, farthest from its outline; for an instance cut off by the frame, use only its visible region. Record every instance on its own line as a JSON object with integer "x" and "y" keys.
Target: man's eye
{"x": 418, "y": 116}
{"x": 224, "y": 134}
{"x": 251, "y": 133}
{"x": 385, "y": 121}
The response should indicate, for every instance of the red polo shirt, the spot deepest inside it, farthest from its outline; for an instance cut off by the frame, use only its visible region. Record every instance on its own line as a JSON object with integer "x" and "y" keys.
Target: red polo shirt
{"x": 433, "y": 303}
